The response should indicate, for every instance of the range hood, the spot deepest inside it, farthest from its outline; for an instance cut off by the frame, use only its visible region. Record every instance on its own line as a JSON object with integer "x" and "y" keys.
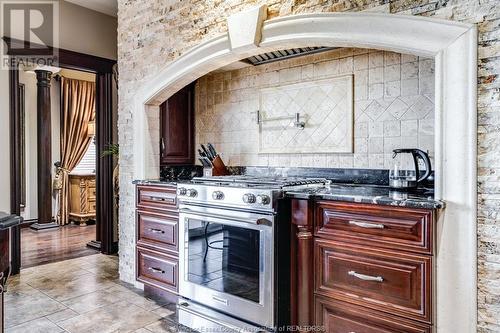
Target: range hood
{"x": 268, "y": 57}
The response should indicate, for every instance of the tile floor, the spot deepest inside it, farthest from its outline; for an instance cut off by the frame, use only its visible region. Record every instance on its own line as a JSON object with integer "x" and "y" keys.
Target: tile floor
{"x": 82, "y": 295}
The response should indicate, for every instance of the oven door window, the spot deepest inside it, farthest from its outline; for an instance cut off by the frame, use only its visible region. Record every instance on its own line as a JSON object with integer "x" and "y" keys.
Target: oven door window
{"x": 224, "y": 258}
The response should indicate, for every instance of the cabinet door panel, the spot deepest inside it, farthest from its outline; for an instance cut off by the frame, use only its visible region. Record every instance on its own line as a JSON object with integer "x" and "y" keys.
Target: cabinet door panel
{"x": 339, "y": 317}
{"x": 177, "y": 123}
{"x": 383, "y": 280}
{"x": 157, "y": 197}
{"x": 157, "y": 231}
{"x": 157, "y": 269}
{"x": 389, "y": 227}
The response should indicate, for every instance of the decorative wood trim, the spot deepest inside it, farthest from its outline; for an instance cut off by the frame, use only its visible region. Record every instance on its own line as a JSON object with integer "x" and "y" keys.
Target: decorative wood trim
{"x": 302, "y": 263}
{"x": 15, "y": 159}
{"x": 64, "y": 58}
{"x": 22, "y": 143}
{"x": 104, "y": 165}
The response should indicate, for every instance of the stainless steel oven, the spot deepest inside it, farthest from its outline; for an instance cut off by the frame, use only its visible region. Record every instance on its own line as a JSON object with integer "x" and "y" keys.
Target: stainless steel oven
{"x": 227, "y": 261}
{"x": 234, "y": 269}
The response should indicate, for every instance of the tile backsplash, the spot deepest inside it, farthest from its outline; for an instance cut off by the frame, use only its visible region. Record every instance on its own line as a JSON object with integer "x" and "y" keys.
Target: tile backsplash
{"x": 325, "y": 117}
{"x": 393, "y": 107}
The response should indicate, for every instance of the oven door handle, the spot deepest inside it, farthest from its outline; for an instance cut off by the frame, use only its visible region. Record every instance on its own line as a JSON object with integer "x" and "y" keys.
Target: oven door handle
{"x": 258, "y": 221}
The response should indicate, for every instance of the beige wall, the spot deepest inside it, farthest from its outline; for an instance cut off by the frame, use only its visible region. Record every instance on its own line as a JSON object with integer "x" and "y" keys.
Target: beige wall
{"x": 81, "y": 30}
{"x": 87, "y": 31}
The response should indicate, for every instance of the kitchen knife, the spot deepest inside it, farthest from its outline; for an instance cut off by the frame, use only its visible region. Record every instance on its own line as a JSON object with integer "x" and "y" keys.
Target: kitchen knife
{"x": 201, "y": 153}
{"x": 208, "y": 162}
{"x": 202, "y": 161}
{"x": 212, "y": 150}
{"x": 207, "y": 153}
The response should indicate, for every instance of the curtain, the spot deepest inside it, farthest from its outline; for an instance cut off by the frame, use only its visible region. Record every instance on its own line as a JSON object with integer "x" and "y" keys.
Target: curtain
{"x": 78, "y": 109}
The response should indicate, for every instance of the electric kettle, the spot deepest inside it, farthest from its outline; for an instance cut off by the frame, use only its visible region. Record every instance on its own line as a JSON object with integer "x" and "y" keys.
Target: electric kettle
{"x": 406, "y": 175}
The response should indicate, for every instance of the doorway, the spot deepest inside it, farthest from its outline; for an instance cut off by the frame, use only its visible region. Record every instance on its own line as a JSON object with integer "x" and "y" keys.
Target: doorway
{"x": 72, "y": 160}
{"x": 103, "y": 70}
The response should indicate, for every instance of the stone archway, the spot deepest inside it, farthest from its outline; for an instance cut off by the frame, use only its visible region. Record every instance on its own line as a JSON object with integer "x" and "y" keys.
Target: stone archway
{"x": 454, "y": 47}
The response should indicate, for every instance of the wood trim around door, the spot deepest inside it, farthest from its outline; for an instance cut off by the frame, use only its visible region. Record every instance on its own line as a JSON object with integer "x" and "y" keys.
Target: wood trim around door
{"x": 104, "y": 181}
{"x": 15, "y": 160}
{"x": 103, "y": 68}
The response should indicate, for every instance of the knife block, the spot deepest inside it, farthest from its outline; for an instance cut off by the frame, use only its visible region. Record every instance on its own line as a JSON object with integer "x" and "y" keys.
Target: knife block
{"x": 218, "y": 168}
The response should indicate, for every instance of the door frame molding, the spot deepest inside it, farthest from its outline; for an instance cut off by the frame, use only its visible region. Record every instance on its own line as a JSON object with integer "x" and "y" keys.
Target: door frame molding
{"x": 103, "y": 69}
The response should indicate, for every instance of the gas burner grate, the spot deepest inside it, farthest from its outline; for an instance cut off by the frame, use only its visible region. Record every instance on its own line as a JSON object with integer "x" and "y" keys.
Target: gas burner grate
{"x": 255, "y": 181}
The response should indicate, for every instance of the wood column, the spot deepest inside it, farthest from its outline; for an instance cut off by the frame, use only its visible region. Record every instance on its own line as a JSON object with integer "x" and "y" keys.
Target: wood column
{"x": 44, "y": 151}
{"x": 303, "y": 264}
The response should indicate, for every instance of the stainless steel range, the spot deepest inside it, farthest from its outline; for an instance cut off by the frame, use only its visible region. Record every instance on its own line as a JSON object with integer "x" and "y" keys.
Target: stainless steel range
{"x": 232, "y": 231}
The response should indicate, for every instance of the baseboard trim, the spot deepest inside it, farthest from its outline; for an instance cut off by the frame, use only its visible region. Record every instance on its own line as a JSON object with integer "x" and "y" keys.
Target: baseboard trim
{"x": 43, "y": 226}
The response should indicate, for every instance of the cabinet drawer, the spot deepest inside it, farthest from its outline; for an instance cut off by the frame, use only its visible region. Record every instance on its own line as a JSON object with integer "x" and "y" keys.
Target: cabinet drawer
{"x": 157, "y": 231}
{"x": 339, "y": 317}
{"x": 156, "y": 197}
{"x": 91, "y": 193}
{"x": 380, "y": 279}
{"x": 157, "y": 269}
{"x": 388, "y": 227}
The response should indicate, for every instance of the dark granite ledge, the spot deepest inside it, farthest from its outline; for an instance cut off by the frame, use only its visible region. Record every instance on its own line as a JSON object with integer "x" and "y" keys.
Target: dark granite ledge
{"x": 379, "y": 195}
{"x": 9, "y": 221}
{"x": 156, "y": 182}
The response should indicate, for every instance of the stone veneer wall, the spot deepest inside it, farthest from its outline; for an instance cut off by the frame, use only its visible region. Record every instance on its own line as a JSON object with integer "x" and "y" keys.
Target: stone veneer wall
{"x": 393, "y": 107}
{"x": 151, "y": 33}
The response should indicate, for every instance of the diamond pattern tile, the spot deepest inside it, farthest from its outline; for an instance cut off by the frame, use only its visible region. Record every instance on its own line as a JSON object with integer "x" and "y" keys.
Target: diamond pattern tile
{"x": 326, "y": 107}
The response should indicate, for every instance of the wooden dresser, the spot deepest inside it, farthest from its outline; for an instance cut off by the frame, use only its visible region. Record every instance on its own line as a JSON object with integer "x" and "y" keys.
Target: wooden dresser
{"x": 363, "y": 267}
{"x": 82, "y": 198}
{"x": 157, "y": 251}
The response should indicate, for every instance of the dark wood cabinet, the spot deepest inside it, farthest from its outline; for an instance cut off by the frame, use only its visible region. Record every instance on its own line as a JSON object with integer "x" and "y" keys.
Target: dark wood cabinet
{"x": 4, "y": 267}
{"x": 341, "y": 317}
{"x": 157, "y": 252}
{"x": 389, "y": 281}
{"x": 157, "y": 231}
{"x": 372, "y": 267}
{"x": 177, "y": 128}
{"x": 157, "y": 269}
{"x": 382, "y": 226}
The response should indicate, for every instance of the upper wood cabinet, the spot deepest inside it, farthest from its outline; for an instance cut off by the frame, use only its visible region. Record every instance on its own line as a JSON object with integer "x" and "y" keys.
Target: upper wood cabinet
{"x": 177, "y": 128}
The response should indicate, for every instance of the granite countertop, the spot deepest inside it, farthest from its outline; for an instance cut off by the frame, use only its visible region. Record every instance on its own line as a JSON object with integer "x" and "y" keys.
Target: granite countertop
{"x": 8, "y": 221}
{"x": 380, "y": 195}
{"x": 360, "y": 193}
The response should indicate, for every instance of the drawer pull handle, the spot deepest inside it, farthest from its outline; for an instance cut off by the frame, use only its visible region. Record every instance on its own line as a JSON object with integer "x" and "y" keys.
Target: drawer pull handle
{"x": 367, "y": 225}
{"x": 156, "y": 231}
{"x": 366, "y": 277}
{"x": 156, "y": 270}
{"x": 156, "y": 199}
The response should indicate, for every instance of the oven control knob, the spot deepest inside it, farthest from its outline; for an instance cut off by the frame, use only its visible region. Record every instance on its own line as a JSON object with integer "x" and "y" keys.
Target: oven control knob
{"x": 263, "y": 199}
{"x": 191, "y": 193}
{"x": 181, "y": 191}
{"x": 249, "y": 198}
{"x": 218, "y": 195}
